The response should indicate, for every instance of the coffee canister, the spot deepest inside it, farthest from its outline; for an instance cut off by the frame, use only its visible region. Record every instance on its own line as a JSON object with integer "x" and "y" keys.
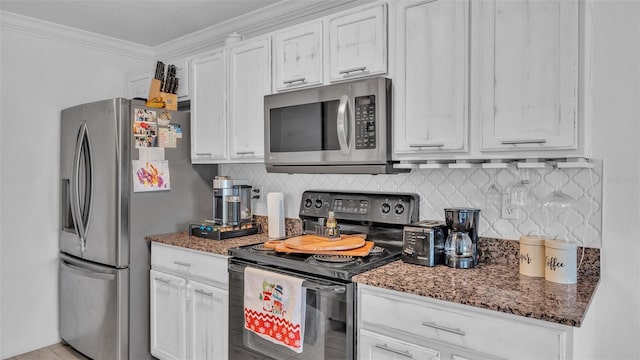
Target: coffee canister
{"x": 532, "y": 255}
{"x": 561, "y": 261}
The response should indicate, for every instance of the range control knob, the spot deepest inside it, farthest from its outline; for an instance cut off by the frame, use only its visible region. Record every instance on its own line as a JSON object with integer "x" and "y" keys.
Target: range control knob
{"x": 398, "y": 209}
{"x": 385, "y": 208}
{"x": 308, "y": 203}
{"x": 318, "y": 203}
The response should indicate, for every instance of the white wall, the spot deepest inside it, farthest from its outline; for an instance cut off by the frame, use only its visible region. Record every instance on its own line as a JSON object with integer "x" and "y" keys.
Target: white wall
{"x": 40, "y": 77}
{"x": 612, "y": 326}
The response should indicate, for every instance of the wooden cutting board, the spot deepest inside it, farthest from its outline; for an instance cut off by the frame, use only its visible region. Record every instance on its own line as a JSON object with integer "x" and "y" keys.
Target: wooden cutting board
{"x": 314, "y": 243}
{"x": 361, "y": 251}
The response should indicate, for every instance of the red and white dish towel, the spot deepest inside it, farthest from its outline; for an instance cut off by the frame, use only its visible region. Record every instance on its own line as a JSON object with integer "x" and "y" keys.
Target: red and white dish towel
{"x": 274, "y": 307}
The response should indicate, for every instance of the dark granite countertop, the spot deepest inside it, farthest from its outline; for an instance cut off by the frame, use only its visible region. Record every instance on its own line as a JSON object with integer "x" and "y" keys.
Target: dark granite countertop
{"x": 498, "y": 287}
{"x": 495, "y": 284}
{"x": 220, "y": 247}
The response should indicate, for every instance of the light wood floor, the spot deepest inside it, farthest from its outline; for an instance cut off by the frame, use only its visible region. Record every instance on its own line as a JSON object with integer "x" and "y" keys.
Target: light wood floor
{"x": 53, "y": 352}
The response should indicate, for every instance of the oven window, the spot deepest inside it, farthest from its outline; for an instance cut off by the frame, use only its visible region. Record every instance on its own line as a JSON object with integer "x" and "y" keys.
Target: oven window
{"x": 308, "y": 127}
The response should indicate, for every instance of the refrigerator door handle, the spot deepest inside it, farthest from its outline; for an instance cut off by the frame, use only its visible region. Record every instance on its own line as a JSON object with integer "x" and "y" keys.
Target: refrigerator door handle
{"x": 81, "y": 212}
{"x": 75, "y": 188}
{"x": 90, "y": 270}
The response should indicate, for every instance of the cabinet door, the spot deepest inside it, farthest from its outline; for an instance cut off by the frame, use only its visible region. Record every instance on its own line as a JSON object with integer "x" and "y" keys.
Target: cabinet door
{"x": 298, "y": 57}
{"x": 168, "y": 316}
{"x": 208, "y": 117}
{"x": 375, "y": 346}
{"x": 432, "y": 82}
{"x": 529, "y": 94}
{"x": 358, "y": 44}
{"x": 182, "y": 73}
{"x": 138, "y": 84}
{"x": 208, "y": 318}
{"x": 249, "y": 82}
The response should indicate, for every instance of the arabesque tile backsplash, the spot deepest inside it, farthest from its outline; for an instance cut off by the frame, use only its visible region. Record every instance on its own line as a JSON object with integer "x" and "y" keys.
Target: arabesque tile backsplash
{"x": 577, "y": 220}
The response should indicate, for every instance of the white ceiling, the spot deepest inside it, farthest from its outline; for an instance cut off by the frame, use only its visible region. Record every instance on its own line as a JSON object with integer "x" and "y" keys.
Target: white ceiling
{"x": 145, "y": 22}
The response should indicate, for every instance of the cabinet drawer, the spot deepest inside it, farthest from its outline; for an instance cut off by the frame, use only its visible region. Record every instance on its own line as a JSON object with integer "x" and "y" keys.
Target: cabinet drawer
{"x": 377, "y": 346}
{"x": 195, "y": 265}
{"x": 458, "y": 327}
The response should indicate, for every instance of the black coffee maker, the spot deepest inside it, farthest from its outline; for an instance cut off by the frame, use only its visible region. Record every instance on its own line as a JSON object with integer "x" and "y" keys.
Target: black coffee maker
{"x": 461, "y": 246}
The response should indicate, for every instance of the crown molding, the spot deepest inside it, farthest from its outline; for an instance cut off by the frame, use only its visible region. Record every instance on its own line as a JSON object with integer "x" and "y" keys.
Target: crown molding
{"x": 263, "y": 20}
{"x": 50, "y": 31}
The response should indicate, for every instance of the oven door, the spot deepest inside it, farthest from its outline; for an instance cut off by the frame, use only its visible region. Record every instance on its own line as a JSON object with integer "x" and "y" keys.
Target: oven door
{"x": 329, "y": 320}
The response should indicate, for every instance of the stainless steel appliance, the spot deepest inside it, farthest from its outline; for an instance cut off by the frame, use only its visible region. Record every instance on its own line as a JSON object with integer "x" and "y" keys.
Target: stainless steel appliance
{"x": 231, "y": 201}
{"x": 461, "y": 246}
{"x": 338, "y": 128}
{"x": 423, "y": 243}
{"x": 330, "y": 294}
{"x": 104, "y": 258}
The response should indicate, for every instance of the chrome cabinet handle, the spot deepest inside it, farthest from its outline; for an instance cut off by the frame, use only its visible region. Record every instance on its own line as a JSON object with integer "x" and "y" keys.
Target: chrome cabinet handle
{"x": 347, "y": 72}
{"x": 205, "y": 293}
{"x": 182, "y": 263}
{"x": 438, "y": 145}
{"x": 386, "y": 347}
{"x": 301, "y": 80}
{"x": 342, "y": 124}
{"x": 203, "y": 154}
{"x": 162, "y": 280}
{"x": 245, "y": 152}
{"x": 523, "y": 141}
{"x": 444, "y": 328}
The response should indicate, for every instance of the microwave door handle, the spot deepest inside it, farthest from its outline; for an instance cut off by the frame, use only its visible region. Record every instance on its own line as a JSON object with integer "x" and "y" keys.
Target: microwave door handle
{"x": 342, "y": 124}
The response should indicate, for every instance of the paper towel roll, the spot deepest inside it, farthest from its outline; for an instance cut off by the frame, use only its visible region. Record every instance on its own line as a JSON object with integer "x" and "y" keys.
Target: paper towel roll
{"x": 275, "y": 212}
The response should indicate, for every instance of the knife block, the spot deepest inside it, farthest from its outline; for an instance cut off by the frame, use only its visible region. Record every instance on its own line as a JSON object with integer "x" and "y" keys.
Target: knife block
{"x": 170, "y": 101}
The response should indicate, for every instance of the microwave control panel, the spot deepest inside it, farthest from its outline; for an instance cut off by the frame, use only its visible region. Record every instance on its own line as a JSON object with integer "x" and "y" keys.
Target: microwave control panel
{"x": 365, "y": 110}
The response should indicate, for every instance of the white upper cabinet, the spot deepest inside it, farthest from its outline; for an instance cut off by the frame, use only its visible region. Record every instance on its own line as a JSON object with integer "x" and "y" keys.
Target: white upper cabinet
{"x": 138, "y": 83}
{"x": 357, "y": 44}
{"x": 298, "y": 57}
{"x": 182, "y": 73}
{"x": 431, "y": 86}
{"x": 528, "y": 76}
{"x": 249, "y": 82}
{"x": 208, "y": 116}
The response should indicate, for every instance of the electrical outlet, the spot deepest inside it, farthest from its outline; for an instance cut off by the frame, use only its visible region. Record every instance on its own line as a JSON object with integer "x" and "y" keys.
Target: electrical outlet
{"x": 256, "y": 193}
{"x": 508, "y": 210}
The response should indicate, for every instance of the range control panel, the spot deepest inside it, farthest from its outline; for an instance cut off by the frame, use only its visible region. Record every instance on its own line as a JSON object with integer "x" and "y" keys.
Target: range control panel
{"x": 391, "y": 208}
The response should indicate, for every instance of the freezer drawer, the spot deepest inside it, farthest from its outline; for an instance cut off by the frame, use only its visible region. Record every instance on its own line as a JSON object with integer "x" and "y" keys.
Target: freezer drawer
{"x": 94, "y": 308}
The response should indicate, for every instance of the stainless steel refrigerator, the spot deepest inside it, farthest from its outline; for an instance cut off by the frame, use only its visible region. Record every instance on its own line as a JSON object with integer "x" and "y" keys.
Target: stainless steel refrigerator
{"x": 104, "y": 258}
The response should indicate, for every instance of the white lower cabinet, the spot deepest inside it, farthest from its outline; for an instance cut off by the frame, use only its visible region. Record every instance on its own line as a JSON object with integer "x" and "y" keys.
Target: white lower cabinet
{"x": 395, "y": 325}
{"x": 189, "y": 304}
{"x": 168, "y": 316}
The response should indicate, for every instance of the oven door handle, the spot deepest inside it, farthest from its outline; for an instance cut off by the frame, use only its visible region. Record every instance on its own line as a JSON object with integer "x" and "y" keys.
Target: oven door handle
{"x": 336, "y": 289}
{"x": 307, "y": 284}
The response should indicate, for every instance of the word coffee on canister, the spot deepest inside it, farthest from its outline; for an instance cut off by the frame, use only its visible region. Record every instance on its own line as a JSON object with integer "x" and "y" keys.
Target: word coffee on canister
{"x": 532, "y": 255}
{"x": 560, "y": 261}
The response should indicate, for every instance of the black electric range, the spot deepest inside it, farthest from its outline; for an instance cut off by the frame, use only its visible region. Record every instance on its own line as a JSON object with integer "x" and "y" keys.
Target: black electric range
{"x": 380, "y": 216}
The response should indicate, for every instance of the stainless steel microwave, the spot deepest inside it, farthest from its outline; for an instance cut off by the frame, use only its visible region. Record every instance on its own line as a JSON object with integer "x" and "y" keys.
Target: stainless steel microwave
{"x": 339, "y": 128}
